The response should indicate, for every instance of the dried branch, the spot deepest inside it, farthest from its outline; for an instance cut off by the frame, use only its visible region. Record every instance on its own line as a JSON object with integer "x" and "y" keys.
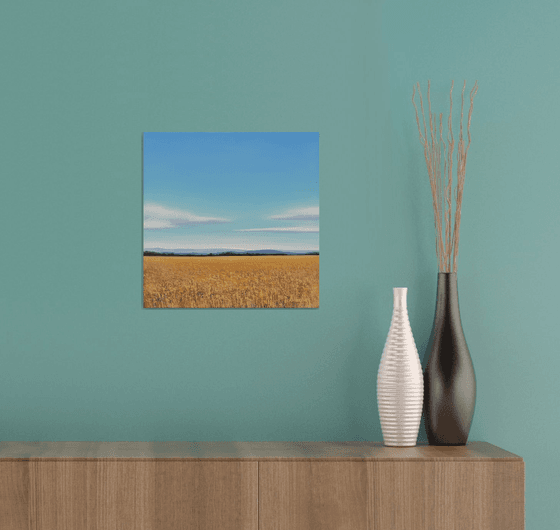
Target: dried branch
{"x": 447, "y": 225}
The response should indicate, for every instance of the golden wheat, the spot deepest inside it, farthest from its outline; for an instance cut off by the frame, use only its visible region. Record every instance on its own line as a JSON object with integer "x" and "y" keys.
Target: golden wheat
{"x": 231, "y": 281}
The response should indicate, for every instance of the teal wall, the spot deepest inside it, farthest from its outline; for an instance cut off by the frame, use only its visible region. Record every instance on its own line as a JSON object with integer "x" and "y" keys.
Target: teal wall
{"x": 80, "y": 82}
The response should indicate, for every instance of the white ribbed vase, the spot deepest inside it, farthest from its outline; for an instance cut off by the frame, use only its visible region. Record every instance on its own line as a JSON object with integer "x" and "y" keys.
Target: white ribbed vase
{"x": 400, "y": 383}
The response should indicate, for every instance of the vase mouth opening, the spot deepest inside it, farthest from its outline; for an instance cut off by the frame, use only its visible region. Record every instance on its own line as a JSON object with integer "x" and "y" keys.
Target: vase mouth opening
{"x": 399, "y": 297}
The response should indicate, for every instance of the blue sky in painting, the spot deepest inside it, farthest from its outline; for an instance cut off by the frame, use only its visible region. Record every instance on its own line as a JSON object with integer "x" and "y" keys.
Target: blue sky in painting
{"x": 246, "y": 191}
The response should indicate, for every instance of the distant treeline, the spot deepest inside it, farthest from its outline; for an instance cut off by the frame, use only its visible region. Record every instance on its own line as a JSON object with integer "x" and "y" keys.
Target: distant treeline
{"x": 151, "y": 253}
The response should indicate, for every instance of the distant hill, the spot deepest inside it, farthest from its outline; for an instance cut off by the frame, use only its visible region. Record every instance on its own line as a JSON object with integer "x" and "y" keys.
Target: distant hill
{"x": 222, "y": 251}
{"x": 269, "y": 251}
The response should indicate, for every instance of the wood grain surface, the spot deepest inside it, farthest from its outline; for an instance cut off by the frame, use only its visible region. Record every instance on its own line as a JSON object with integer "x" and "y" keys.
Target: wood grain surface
{"x": 259, "y": 485}
{"x": 391, "y": 495}
{"x": 313, "y": 495}
{"x": 139, "y": 495}
{"x": 248, "y": 451}
{"x": 444, "y": 495}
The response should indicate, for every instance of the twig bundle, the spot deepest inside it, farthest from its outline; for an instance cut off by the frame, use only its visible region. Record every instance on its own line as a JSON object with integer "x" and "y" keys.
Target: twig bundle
{"x": 435, "y": 149}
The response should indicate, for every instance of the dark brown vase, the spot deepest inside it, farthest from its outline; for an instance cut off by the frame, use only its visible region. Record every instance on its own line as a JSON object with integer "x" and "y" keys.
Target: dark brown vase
{"x": 449, "y": 380}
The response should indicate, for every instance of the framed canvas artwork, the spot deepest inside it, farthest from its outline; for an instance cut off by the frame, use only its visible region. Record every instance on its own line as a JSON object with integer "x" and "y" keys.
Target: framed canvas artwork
{"x": 231, "y": 220}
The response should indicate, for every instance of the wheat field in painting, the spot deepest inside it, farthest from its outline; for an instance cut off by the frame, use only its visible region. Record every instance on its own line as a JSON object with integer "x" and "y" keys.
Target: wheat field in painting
{"x": 231, "y": 281}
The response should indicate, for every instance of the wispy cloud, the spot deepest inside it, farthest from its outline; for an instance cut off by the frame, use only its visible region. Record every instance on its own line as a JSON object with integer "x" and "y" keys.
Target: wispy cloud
{"x": 299, "y": 214}
{"x": 309, "y": 229}
{"x": 157, "y": 217}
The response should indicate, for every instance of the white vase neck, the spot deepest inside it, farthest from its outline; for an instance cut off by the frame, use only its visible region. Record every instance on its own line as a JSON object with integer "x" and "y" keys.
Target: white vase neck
{"x": 399, "y": 297}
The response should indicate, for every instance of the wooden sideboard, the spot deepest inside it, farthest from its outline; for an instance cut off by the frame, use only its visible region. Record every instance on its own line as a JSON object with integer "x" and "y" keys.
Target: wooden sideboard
{"x": 259, "y": 486}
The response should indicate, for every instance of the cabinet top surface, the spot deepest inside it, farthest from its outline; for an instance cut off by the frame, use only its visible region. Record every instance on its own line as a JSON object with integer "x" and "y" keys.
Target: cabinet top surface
{"x": 473, "y": 451}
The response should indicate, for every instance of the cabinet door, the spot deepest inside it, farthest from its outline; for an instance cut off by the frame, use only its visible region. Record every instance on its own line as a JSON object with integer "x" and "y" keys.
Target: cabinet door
{"x": 206, "y": 495}
{"x": 442, "y": 495}
{"x": 14, "y": 495}
{"x": 303, "y": 495}
{"x": 139, "y": 494}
